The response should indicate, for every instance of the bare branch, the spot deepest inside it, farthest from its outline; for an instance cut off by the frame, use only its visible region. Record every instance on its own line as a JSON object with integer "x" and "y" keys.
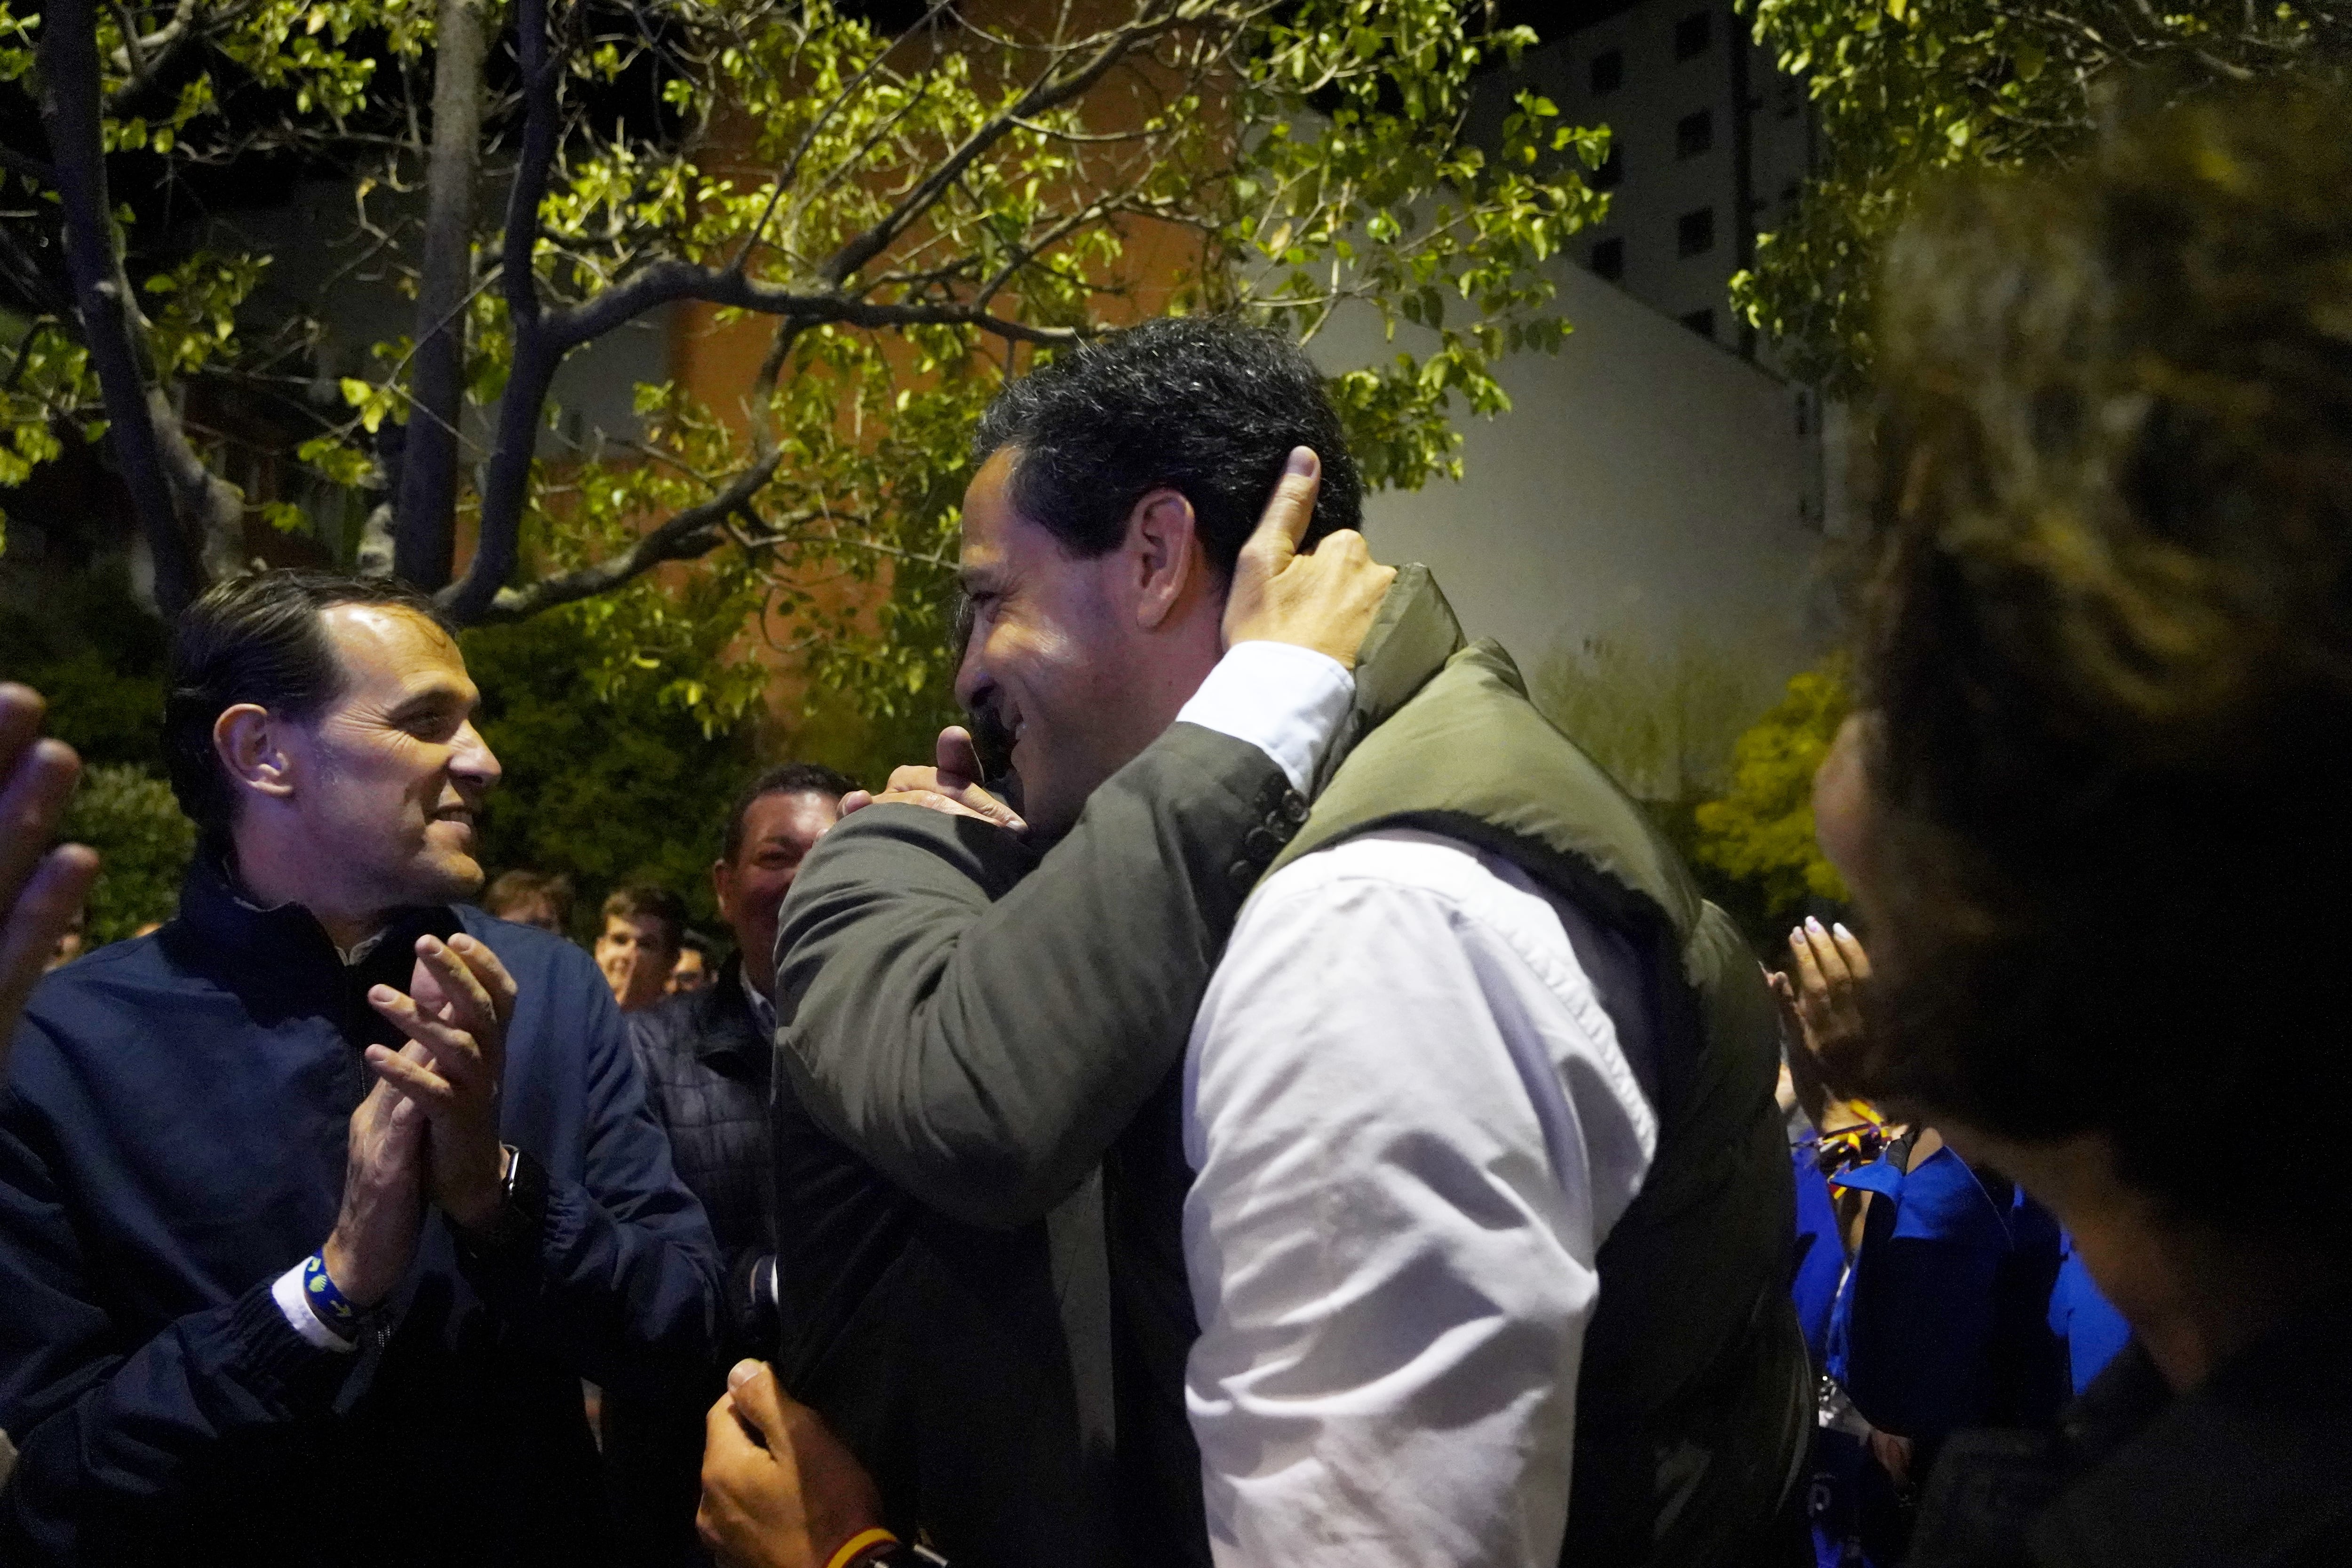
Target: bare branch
{"x": 1050, "y": 90}
{"x": 668, "y": 281}
{"x": 24, "y": 163}
{"x": 691, "y": 532}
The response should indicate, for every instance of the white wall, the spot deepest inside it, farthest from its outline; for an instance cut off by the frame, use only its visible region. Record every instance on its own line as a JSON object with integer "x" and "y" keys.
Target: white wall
{"x": 1648, "y": 489}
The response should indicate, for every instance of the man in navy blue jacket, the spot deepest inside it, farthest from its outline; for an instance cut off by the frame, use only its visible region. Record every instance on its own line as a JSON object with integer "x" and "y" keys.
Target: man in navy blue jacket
{"x": 317, "y": 1206}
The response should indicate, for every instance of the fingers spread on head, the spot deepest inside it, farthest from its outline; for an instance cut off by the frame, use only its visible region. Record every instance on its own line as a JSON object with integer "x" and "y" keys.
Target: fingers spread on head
{"x": 1291, "y": 507}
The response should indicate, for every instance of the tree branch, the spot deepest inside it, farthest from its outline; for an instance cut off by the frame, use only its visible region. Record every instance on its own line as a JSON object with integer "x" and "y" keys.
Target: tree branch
{"x": 24, "y": 163}
{"x": 505, "y": 484}
{"x": 686, "y": 535}
{"x": 111, "y": 329}
{"x": 425, "y": 510}
{"x": 668, "y": 281}
{"x": 1048, "y": 91}
{"x": 145, "y": 60}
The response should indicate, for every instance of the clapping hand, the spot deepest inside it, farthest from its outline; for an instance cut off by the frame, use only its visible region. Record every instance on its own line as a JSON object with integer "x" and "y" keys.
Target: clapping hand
{"x": 1820, "y": 1002}
{"x": 40, "y": 888}
{"x": 460, "y": 1002}
{"x": 382, "y": 1207}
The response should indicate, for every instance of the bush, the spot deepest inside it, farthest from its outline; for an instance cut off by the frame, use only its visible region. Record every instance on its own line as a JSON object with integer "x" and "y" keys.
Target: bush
{"x": 1759, "y": 831}
{"x": 130, "y": 817}
{"x": 607, "y": 789}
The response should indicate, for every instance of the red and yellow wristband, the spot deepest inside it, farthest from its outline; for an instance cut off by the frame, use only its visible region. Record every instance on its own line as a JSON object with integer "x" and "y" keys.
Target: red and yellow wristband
{"x": 862, "y": 1547}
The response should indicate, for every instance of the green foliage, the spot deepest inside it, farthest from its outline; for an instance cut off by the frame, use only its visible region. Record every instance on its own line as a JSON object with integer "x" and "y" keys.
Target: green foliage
{"x": 89, "y": 648}
{"x": 610, "y": 788}
{"x": 1759, "y": 831}
{"x": 1906, "y": 90}
{"x": 917, "y": 214}
{"x": 1662, "y": 723}
{"x": 130, "y": 817}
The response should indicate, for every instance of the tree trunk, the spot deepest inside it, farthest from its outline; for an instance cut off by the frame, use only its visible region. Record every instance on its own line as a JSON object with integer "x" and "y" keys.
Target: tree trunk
{"x": 425, "y": 508}
{"x": 112, "y": 327}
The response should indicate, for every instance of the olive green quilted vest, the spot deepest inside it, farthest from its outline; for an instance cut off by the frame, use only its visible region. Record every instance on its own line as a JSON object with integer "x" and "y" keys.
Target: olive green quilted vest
{"x": 1693, "y": 1403}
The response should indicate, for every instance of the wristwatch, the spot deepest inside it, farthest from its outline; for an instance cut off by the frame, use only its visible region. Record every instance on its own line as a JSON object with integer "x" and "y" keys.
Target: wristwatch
{"x": 521, "y": 1212}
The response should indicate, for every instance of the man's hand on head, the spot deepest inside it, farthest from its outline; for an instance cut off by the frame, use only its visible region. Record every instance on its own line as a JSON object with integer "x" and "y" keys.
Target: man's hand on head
{"x": 461, "y": 1000}
{"x": 778, "y": 1490}
{"x": 1327, "y": 600}
{"x": 951, "y": 786}
{"x": 40, "y": 888}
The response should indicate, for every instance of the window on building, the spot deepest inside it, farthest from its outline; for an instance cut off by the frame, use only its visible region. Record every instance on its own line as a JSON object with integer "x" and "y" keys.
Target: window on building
{"x": 1693, "y": 133}
{"x": 1702, "y": 322}
{"x": 1609, "y": 260}
{"x": 1607, "y": 71}
{"x": 1610, "y": 174}
{"x": 1694, "y": 233}
{"x": 1692, "y": 33}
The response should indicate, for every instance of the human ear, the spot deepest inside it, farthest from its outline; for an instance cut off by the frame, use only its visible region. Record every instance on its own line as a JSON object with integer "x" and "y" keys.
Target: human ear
{"x": 251, "y": 743}
{"x": 1164, "y": 542}
{"x": 723, "y": 888}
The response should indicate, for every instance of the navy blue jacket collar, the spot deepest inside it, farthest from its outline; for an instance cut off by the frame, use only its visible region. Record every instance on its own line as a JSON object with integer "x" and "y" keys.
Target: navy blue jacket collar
{"x": 280, "y": 961}
{"x": 727, "y": 1034}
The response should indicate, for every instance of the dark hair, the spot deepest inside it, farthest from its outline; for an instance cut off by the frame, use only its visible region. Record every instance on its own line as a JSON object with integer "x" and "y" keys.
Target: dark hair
{"x": 257, "y": 639}
{"x": 1201, "y": 404}
{"x": 695, "y": 942}
{"x": 512, "y": 891}
{"x": 648, "y": 903}
{"x": 792, "y": 778}
{"x": 2108, "y": 642}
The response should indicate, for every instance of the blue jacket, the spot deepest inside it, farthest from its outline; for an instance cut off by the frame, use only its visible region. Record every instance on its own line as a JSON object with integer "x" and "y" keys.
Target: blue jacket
{"x": 172, "y": 1137}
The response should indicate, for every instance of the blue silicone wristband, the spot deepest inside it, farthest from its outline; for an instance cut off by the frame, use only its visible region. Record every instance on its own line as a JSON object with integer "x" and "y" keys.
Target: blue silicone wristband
{"x": 334, "y": 1309}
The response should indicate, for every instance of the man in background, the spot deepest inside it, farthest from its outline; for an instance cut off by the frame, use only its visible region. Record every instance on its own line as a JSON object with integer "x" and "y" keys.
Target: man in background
{"x": 540, "y": 900}
{"x": 697, "y": 964}
{"x": 706, "y": 1056}
{"x": 644, "y": 927}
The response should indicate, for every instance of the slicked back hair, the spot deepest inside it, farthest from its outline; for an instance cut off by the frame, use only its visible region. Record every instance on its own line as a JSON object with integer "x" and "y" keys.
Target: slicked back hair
{"x": 1204, "y": 405}
{"x": 257, "y": 639}
{"x": 792, "y": 778}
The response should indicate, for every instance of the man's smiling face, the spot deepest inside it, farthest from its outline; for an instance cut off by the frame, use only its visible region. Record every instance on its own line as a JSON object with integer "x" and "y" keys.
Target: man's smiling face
{"x": 396, "y": 772}
{"x": 1050, "y": 656}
